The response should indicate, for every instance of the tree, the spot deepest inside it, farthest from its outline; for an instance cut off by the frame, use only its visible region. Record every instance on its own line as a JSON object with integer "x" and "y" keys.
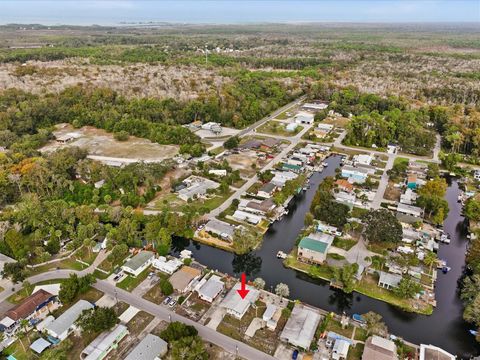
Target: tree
{"x": 308, "y": 219}
{"x": 374, "y": 324}
{"x": 259, "y": 283}
{"x": 166, "y": 287}
{"x": 407, "y": 288}
{"x": 27, "y": 287}
{"x": 346, "y": 276}
{"x": 472, "y": 312}
{"x": 431, "y": 199}
{"x": 15, "y": 271}
{"x": 433, "y": 171}
{"x": 121, "y": 135}
{"x": 430, "y": 259}
{"x": 73, "y": 286}
{"x": 97, "y": 319}
{"x": 472, "y": 209}
{"x": 382, "y": 226}
{"x": 188, "y": 348}
{"x": 244, "y": 240}
{"x": 231, "y": 142}
{"x": 177, "y": 330}
{"x": 282, "y": 290}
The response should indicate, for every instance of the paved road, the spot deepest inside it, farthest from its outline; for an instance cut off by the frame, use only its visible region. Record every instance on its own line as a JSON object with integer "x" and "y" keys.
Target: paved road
{"x": 294, "y": 140}
{"x": 227, "y": 343}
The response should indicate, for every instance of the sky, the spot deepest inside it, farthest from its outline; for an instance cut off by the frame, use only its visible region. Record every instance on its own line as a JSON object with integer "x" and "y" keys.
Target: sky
{"x": 111, "y": 12}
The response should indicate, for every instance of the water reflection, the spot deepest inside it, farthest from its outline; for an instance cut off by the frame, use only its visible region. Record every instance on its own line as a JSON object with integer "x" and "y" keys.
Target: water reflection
{"x": 250, "y": 264}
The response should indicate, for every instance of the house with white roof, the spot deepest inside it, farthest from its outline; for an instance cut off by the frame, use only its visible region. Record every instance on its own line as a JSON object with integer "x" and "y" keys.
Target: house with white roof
{"x": 304, "y": 118}
{"x": 150, "y": 348}
{"x": 167, "y": 266}
{"x": 104, "y": 343}
{"x": 137, "y": 264}
{"x": 235, "y": 305}
{"x": 62, "y": 326}
{"x": 209, "y": 289}
{"x": 301, "y": 326}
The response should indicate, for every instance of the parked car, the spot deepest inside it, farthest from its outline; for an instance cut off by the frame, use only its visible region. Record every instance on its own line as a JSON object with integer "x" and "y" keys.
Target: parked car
{"x": 172, "y": 303}
{"x": 295, "y": 354}
{"x": 117, "y": 277}
{"x": 167, "y": 300}
{"x": 150, "y": 275}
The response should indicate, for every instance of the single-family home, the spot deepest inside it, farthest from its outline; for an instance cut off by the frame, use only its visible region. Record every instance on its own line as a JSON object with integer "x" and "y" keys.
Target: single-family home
{"x": 378, "y": 348}
{"x": 301, "y": 326}
{"x": 33, "y": 308}
{"x": 412, "y": 181}
{"x": 410, "y": 210}
{"x": 267, "y": 191}
{"x": 341, "y": 345}
{"x": 363, "y": 159}
{"x": 281, "y": 177}
{"x": 294, "y": 168}
{"x": 344, "y": 185}
{"x": 430, "y": 352}
{"x": 327, "y": 229}
{"x": 184, "y": 278}
{"x": 314, "y": 248}
{"x": 150, "y": 348}
{"x": 389, "y": 280}
{"x": 167, "y": 266}
{"x": 269, "y": 143}
{"x": 138, "y": 263}
{"x": 345, "y": 198}
{"x": 62, "y": 326}
{"x": 355, "y": 174}
{"x": 240, "y": 215}
{"x": 408, "y": 197}
{"x": 235, "y": 305}
{"x": 209, "y": 289}
{"x": 251, "y": 144}
{"x": 304, "y": 118}
{"x": 220, "y": 228}
{"x": 196, "y": 186}
{"x": 104, "y": 343}
{"x": 257, "y": 207}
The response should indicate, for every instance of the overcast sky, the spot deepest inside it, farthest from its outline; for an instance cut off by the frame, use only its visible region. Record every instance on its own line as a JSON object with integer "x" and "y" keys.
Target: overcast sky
{"x": 106, "y": 12}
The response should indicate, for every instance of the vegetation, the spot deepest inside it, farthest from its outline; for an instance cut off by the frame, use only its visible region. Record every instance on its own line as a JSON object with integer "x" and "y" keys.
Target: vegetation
{"x": 325, "y": 208}
{"x": 431, "y": 199}
{"x": 183, "y": 341}
{"x": 97, "y": 319}
{"x": 73, "y": 286}
{"x": 382, "y": 226}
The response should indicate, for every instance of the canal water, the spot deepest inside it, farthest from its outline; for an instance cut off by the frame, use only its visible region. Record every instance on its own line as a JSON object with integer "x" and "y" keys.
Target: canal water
{"x": 445, "y": 328}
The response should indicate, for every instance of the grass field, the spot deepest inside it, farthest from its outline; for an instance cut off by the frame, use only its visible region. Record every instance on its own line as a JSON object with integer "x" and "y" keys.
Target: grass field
{"x": 130, "y": 282}
{"x": 273, "y": 127}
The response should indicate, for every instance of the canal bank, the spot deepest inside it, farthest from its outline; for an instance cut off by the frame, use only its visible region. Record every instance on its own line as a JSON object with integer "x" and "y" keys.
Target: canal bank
{"x": 444, "y": 327}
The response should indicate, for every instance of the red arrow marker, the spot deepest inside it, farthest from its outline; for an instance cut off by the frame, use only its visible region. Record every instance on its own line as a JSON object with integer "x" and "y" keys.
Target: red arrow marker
{"x": 243, "y": 292}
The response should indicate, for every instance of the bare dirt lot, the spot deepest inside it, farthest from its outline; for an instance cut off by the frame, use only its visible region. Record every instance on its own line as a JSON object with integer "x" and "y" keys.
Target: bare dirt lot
{"x": 244, "y": 161}
{"x": 101, "y": 143}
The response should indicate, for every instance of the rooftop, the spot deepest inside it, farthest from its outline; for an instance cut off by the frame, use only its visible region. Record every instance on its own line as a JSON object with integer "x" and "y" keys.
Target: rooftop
{"x": 68, "y": 318}
{"x": 378, "y": 348}
{"x": 183, "y": 277}
{"x": 389, "y": 278}
{"x": 212, "y": 287}
{"x": 39, "y": 345}
{"x": 219, "y": 227}
{"x": 139, "y": 260}
{"x": 430, "y": 352}
{"x": 149, "y": 348}
{"x": 235, "y": 303}
{"x": 103, "y": 342}
{"x": 301, "y": 326}
{"x": 268, "y": 187}
{"x": 316, "y": 242}
{"x": 29, "y": 305}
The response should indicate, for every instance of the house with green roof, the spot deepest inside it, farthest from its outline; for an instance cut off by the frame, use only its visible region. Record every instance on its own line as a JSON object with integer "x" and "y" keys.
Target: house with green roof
{"x": 135, "y": 265}
{"x": 291, "y": 167}
{"x": 314, "y": 248}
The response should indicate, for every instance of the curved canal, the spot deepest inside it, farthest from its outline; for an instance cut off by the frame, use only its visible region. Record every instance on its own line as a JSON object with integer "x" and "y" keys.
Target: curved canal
{"x": 444, "y": 328}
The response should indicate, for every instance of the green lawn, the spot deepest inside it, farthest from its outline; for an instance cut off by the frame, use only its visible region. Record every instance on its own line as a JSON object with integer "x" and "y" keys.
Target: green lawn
{"x": 277, "y": 128}
{"x": 355, "y": 353}
{"x": 174, "y": 203}
{"x": 345, "y": 244}
{"x": 335, "y": 326}
{"x": 23, "y": 293}
{"x": 400, "y": 160}
{"x": 130, "y": 282}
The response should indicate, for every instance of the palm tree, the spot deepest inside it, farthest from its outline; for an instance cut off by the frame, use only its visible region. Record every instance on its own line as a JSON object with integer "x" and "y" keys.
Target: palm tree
{"x": 430, "y": 259}
{"x": 23, "y": 328}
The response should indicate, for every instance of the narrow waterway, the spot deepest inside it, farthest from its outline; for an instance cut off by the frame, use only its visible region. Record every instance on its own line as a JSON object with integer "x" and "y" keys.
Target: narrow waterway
{"x": 444, "y": 328}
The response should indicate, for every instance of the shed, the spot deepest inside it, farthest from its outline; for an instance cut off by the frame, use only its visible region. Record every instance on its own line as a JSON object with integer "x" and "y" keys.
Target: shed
{"x": 40, "y": 345}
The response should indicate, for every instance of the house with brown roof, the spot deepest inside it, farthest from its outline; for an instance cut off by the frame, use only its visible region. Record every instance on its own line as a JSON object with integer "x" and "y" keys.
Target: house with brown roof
{"x": 344, "y": 185}
{"x": 33, "y": 308}
{"x": 184, "y": 278}
{"x": 269, "y": 143}
{"x": 378, "y": 348}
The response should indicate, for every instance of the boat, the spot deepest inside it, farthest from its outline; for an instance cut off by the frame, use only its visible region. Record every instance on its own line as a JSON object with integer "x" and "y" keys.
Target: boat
{"x": 324, "y": 164}
{"x": 281, "y": 255}
{"x": 446, "y": 269}
{"x": 358, "y": 318}
{"x": 473, "y": 332}
{"x": 445, "y": 239}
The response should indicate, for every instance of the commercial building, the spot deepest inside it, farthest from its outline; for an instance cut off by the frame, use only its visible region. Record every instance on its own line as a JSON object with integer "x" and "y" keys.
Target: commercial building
{"x": 378, "y": 348}
{"x": 196, "y": 186}
{"x": 235, "y": 305}
{"x": 150, "y": 348}
{"x": 209, "y": 289}
{"x": 304, "y": 118}
{"x": 314, "y": 248}
{"x": 183, "y": 279}
{"x": 104, "y": 343}
{"x": 291, "y": 127}
{"x": 220, "y": 228}
{"x": 135, "y": 265}
{"x": 167, "y": 266}
{"x": 61, "y": 327}
{"x": 301, "y": 326}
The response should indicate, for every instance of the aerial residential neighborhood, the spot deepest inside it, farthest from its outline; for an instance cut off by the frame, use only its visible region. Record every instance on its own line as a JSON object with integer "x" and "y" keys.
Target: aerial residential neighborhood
{"x": 239, "y": 180}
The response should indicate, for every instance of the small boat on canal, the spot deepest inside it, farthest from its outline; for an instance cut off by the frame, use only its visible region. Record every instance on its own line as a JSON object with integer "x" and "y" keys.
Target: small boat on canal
{"x": 281, "y": 255}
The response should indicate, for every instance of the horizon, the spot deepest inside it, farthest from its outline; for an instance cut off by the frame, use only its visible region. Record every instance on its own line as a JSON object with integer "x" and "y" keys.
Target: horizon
{"x": 234, "y": 12}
